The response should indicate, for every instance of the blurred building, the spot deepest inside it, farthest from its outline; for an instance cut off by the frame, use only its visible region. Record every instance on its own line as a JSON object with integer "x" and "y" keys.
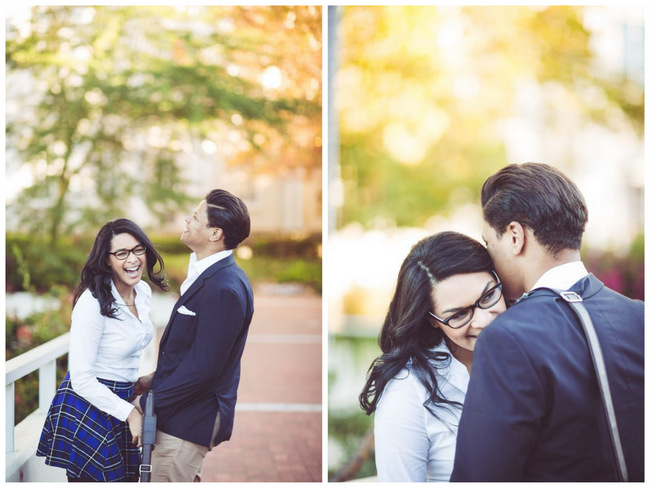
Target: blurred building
{"x": 606, "y": 162}
{"x": 288, "y": 203}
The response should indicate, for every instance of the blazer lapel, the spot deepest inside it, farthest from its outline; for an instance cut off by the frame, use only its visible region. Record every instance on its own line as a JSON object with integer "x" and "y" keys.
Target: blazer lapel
{"x": 198, "y": 283}
{"x": 192, "y": 290}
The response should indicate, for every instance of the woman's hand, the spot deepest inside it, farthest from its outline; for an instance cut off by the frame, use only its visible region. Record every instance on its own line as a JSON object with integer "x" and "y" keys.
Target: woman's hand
{"x": 135, "y": 426}
{"x": 136, "y": 403}
{"x": 143, "y": 384}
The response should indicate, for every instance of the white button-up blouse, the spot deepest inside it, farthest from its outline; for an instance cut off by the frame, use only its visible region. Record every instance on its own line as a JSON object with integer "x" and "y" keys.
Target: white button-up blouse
{"x": 108, "y": 348}
{"x": 410, "y": 443}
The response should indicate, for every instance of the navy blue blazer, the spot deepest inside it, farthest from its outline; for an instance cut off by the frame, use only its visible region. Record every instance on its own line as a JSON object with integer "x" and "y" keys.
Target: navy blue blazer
{"x": 199, "y": 356}
{"x": 533, "y": 410}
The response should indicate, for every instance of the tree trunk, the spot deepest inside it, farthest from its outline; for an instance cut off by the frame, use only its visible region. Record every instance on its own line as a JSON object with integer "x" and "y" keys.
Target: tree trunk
{"x": 366, "y": 448}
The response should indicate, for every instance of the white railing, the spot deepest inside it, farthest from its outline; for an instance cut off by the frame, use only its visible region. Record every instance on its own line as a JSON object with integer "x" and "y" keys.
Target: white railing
{"x": 42, "y": 358}
{"x": 22, "y": 440}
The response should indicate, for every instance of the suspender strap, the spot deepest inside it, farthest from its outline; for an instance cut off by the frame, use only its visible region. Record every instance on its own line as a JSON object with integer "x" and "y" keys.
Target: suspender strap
{"x": 575, "y": 302}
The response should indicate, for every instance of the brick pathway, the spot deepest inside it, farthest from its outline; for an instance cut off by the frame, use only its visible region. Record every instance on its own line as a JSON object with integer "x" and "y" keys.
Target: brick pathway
{"x": 278, "y": 422}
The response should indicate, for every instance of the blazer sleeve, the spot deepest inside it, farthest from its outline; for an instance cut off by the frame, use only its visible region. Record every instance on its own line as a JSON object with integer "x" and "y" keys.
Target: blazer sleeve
{"x": 221, "y": 318}
{"x": 502, "y": 413}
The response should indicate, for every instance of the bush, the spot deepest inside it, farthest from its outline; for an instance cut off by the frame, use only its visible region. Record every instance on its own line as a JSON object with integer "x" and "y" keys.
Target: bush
{"x": 283, "y": 270}
{"x": 348, "y": 429}
{"x": 302, "y": 271}
{"x": 262, "y": 245}
{"x": 169, "y": 244}
{"x": 307, "y": 248}
{"x": 34, "y": 265}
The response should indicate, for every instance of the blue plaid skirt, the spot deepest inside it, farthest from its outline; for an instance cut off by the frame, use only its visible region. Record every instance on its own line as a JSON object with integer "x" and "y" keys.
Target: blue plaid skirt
{"x": 87, "y": 442}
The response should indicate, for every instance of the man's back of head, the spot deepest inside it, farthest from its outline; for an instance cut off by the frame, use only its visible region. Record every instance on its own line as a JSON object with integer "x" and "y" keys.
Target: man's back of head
{"x": 540, "y": 197}
{"x": 229, "y": 213}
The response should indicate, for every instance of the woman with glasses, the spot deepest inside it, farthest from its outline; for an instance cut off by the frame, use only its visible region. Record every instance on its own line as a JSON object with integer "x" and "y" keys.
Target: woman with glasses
{"x": 446, "y": 293}
{"x": 92, "y": 430}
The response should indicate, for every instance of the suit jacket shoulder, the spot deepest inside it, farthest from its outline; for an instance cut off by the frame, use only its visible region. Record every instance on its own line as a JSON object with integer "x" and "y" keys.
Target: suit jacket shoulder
{"x": 541, "y": 315}
{"x": 533, "y": 409}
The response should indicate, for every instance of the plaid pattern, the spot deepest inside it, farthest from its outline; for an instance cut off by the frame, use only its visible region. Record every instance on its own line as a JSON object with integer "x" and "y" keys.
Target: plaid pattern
{"x": 86, "y": 441}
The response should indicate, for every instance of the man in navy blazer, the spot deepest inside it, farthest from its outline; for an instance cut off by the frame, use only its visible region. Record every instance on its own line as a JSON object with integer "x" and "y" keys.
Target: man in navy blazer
{"x": 196, "y": 379}
{"x": 533, "y": 410}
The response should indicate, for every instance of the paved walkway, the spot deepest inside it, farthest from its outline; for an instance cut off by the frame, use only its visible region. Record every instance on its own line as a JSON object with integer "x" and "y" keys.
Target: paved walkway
{"x": 277, "y": 434}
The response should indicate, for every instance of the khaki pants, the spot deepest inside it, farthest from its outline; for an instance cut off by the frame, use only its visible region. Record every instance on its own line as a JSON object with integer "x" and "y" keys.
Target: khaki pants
{"x": 176, "y": 459}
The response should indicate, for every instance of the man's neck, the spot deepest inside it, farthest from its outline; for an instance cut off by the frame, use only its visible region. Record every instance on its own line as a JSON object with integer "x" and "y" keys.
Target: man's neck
{"x": 205, "y": 253}
{"x": 547, "y": 262}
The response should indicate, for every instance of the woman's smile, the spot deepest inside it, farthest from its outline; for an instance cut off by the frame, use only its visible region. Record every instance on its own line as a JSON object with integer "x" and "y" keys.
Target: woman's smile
{"x": 133, "y": 272}
{"x": 129, "y": 270}
{"x": 455, "y": 294}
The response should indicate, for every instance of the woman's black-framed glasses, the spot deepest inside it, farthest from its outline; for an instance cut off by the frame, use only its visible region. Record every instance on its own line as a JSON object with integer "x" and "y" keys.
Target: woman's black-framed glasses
{"x": 464, "y": 316}
{"x": 122, "y": 254}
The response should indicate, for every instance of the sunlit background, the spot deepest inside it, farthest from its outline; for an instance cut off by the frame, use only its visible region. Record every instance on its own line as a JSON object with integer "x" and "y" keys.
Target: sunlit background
{"x": 140, "y": 111}
{"x": 426, "y": 103}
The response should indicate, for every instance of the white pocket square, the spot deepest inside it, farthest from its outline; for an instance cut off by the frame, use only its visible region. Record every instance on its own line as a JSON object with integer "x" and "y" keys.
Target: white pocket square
{"x": 185, "y": 311}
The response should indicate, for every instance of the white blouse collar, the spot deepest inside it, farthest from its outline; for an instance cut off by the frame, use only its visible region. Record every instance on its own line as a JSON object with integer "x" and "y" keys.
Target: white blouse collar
{"x": 139, "y": 296}
{"x": 454, "y": 372}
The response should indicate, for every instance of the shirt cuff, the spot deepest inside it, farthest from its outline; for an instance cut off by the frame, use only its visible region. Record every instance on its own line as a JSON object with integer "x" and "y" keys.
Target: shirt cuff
{"x": 122, "y": 410}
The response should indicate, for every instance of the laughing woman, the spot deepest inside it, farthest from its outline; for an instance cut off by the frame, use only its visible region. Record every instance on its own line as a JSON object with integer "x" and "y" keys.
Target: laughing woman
{"x": 446, "y": 293}
{"x": 92, "y": 430}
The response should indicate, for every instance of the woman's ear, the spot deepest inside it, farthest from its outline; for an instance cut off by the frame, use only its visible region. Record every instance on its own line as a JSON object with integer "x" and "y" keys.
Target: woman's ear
{"x": 434, "y": 323}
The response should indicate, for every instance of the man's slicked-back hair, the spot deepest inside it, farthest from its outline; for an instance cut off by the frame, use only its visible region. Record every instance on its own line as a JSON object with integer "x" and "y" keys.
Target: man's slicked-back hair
{"x": 230, "y": 214}
{"x": 540, "y": 197}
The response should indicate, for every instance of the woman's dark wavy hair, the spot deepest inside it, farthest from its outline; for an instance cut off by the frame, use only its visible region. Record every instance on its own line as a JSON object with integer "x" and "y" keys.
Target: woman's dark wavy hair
{"x": 96, "y": 274}
{"x": 407, "y": 333}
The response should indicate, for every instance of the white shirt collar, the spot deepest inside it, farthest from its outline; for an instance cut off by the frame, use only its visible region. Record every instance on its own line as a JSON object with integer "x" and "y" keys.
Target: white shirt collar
{"x": 118, "y": 298}
{"x": 202, "y": 264}
{"x": 456, "y": 372}
{"x": 562, "y": 277}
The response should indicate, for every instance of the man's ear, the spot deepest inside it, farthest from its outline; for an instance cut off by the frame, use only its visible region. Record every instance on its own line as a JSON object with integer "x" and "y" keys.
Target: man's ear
{"x": 217, "y": 234}
{"x": 516, "y": 235}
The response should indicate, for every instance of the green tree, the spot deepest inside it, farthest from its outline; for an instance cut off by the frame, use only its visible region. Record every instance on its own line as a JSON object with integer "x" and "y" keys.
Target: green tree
{"x": 104, "y": 100}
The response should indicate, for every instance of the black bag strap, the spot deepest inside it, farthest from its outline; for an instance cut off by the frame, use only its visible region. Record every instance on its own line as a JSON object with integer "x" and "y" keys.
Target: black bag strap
{"x": 148, "y": 439}
{"x": 575, "y": 302}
